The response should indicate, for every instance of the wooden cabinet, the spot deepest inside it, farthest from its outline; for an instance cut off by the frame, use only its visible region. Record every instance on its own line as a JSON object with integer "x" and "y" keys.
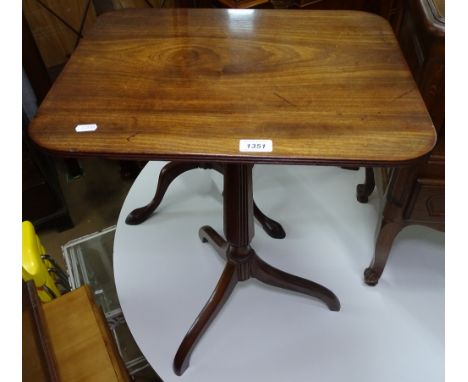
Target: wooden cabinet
{"x": 416, "y": 195}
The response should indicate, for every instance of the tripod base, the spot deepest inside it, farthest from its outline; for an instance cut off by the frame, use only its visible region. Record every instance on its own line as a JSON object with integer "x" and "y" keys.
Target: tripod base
{"x": 242, "y": 263}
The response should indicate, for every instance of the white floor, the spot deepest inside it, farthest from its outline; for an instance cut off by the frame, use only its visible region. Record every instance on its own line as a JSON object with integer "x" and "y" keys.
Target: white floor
{"x": 164, "y": 275}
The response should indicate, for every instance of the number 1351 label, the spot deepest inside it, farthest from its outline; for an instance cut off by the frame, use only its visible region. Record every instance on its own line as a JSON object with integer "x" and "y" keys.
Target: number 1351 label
{"x": 256, "y": 145}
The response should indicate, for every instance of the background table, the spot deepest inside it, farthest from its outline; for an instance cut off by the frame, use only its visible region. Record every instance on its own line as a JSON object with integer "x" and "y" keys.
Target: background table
{"x": 392, "y": 332}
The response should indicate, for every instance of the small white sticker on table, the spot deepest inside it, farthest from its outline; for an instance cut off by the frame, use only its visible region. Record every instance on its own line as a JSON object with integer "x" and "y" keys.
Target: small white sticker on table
{"x": 85, "y": 128}
{"x": 256, "y": 145}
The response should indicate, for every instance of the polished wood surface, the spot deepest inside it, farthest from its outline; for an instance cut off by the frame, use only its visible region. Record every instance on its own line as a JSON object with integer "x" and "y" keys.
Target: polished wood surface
{"x": 325, "y": 86}
{"x": 81, "y": 341}
{"x": 56, "y": 39}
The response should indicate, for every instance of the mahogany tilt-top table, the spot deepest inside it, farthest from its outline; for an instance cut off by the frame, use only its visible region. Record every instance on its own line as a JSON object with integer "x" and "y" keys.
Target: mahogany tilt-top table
{"x": 231, "y": 88}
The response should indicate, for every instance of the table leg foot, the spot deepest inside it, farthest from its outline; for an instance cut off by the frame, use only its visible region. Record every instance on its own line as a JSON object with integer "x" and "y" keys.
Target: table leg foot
{"x": 271, "y": 227}
{"x": 273, "y": 276}
{"x": 371, "y": 277}
{"x": 388, "y": 231}
{"x": 208, "y": 234}
{"x": 223, "y": 290}
{"x": 168, "y": 173}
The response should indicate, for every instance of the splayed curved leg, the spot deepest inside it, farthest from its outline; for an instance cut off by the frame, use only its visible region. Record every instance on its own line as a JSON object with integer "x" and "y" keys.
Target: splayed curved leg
{"x": 271, "y": 227}
{"x": 168, "y": 173}
{"x": 273, "y": 276}
{"x": 223, "y": 290}
{"x": 171, "y": 171}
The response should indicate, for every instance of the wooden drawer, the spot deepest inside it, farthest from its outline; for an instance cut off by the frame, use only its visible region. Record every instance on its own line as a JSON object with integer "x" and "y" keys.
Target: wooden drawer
{"x": 427, "y": 203}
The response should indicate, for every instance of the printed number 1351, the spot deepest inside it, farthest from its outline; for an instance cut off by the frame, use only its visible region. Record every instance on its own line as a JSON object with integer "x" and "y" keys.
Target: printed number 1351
{"x": 255, "y": 145}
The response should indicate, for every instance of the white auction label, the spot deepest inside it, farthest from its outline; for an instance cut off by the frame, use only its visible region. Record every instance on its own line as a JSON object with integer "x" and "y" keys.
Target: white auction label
{"x": 256, "y": 145}
{"x": 87, "y": 127}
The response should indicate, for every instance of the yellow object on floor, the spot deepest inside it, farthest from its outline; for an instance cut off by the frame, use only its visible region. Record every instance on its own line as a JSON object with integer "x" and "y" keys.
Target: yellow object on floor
{"x": 33, "y": 267}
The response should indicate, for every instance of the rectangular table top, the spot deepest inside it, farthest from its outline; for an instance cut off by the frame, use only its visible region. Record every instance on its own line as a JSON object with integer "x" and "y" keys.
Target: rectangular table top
{"x": 326, "y": 87}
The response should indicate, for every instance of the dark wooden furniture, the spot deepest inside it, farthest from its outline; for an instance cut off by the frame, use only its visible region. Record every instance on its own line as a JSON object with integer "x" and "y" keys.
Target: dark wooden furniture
{"x": 415, "y": 195}
{"x": 328, "y": 88}
{"x": 242, "y": 4}
{"x": 43, "y": 201}
{"x": 170, "y": 172}
{"x": 38, "y": 359}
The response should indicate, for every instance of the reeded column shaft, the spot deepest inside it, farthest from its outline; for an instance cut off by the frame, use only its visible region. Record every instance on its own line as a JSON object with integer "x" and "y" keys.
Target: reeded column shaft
{"x": 238, "y": 204}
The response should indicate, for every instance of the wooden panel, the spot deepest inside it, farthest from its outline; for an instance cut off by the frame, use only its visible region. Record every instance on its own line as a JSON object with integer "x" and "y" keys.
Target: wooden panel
{"x": 122, "y": 4}
{"x": 242, "y": 4}
{"x": 38, "y": 361}
{"x": 392, "y": 10}
{"x": 428, "y": 36}
{"x": 332, "y": 88}
{"x": 54, "y": 40}
{"x": 363, "y": 5}
{"x": 428, "y": 202}
{"x": 411, "y": 44}
{"x": 32, "y": 365}
{"x": 434, "y": 168}
{"x": 33, "y": 64}
{"x": 81, "y": 340}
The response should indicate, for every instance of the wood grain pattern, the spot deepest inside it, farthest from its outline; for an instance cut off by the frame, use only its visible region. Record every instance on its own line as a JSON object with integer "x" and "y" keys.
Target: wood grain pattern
{"x": 242, "y": 4}
{"x": 54, "y": 40}
{"x": 327, "y": 87}
{"x": 81, "y": 341}
{"x": 121, "y": 4}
